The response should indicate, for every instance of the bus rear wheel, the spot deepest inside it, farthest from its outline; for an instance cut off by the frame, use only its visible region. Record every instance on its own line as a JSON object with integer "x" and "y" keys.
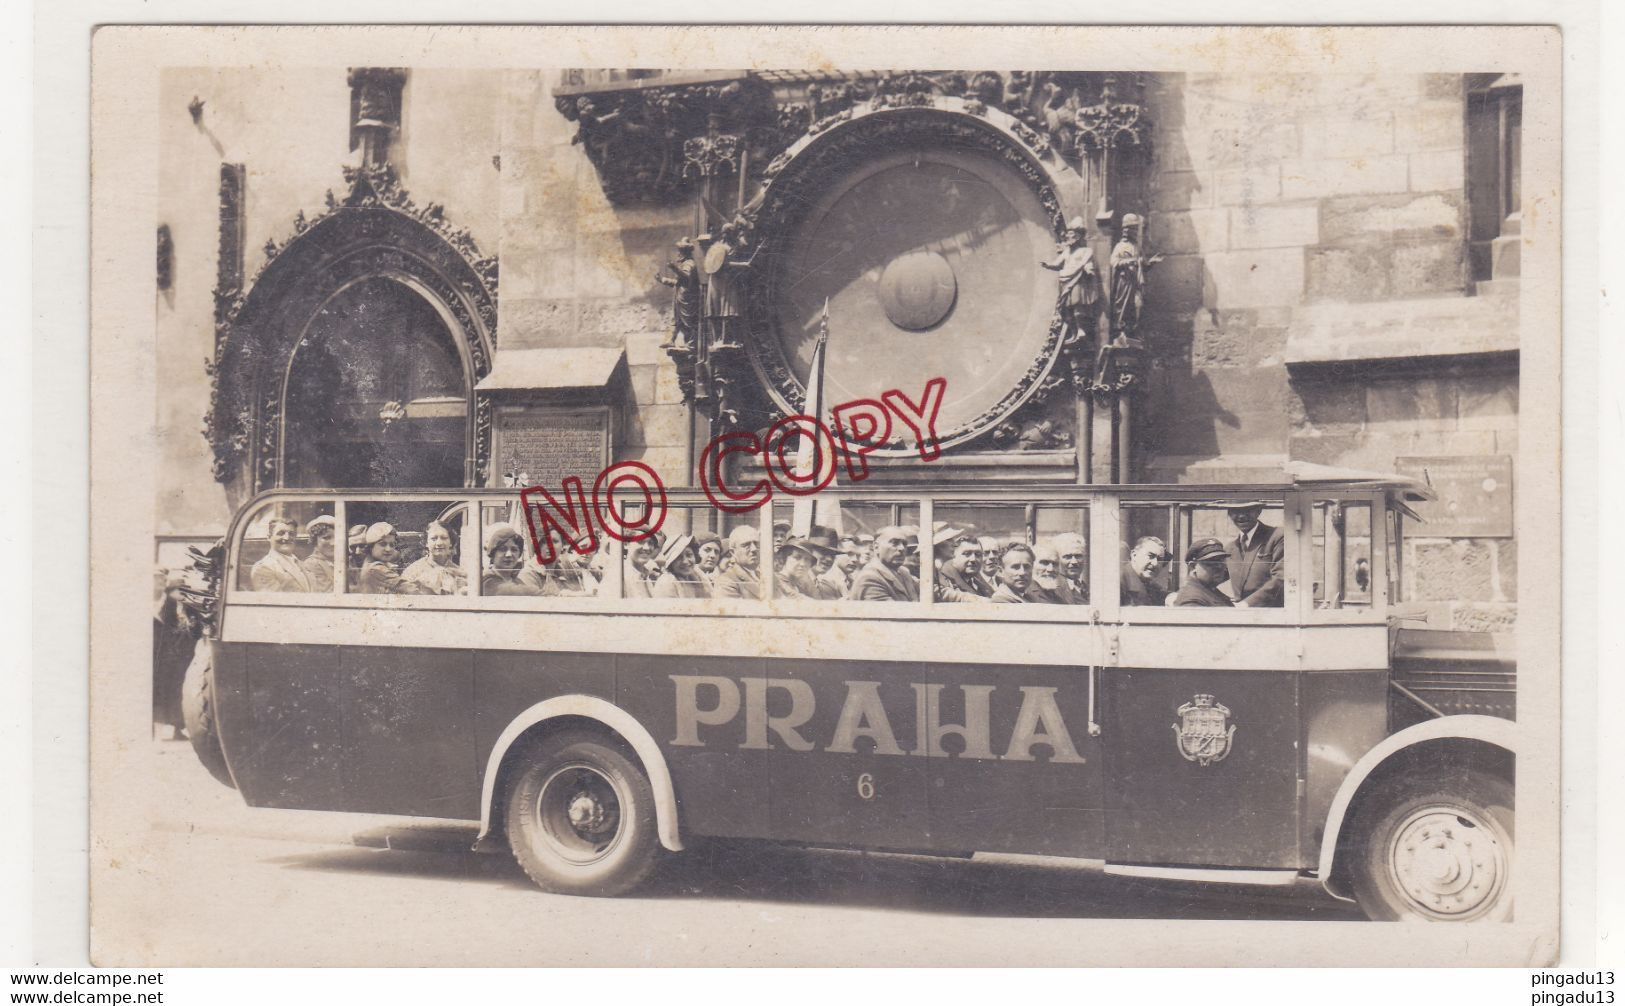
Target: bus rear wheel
{"x": 581, "y": 818}
{"x": 1437, "y": 853}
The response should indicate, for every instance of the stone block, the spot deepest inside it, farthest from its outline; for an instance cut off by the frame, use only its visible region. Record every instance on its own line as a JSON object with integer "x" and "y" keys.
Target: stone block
{"x": 1179, "y": 190}
{"x": 1436, "y": 215}
{"x": 659, "y": 426}
{"x": 1263, "y": 140}
{"x": 1506, "y": 567}
{"x": 1460, "y": 570}
{"x": 1429, "y": 125}
{"x": 1435, "y": 267}
{"x": 1224, "y": 412}
{"x": 1348, "y": 274}
{"x": 1176, "y": 285}
{"x": 1222, "y": 339}
{"x": 1339, "y": 136}
{"x": 1441, "y": 170}
{"x": 1324, "y": 448}
{"x": 1487, "y": 402}
{"x": 1439, "y": 86}
{"x": 1274, "y": 226}
{"x": 1345, "y": 176}
{"x": 1412, "y": 404}
{"x": 643, "y": 384}
{"x": 1484, "y": 617}
{"x": 667, "y": 389}
{"x": 1328, "y": 407}
{"x": 1189, "y": 232}
{"x": 1506, "y": 442}
{"x": 643, "y": 348}
{"x": 1257, "y": 278}
{"x": 1249, "y": 186}
{"x": 528, "y": 323}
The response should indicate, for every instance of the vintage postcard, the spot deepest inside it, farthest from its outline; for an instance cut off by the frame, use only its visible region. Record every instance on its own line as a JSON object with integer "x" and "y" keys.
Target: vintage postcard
{"x": 799, "y": 496}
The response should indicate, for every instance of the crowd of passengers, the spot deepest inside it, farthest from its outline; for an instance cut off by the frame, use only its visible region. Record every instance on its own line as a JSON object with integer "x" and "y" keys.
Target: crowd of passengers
{"x": 1245, "y": 571}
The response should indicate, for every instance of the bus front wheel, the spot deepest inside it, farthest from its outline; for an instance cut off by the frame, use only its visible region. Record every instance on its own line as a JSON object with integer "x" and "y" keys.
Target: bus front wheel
{"x": 1438, "y": 853}
{"x": 581, "y": 818}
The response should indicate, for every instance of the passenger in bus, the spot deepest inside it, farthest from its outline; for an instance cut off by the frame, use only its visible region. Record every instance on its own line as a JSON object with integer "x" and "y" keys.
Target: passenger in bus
{"x": 378, "y": 574}
{"x": 1207, "y": 566}
{"x": 885, "y": 578}
{"x": 280, "y": 570}
{"x": 506, "y": 573}
{"x": 843, "y": 564}
{"x": 641, "y": 573}
{"x": 1014, "y": 574}
{"x": 866, "y": 551}
{"x": 991, "y": 547}
{"x": 319, "y": 563}
{"x": 572, "y": 574}
{"x": 959, "y": 567}
{"x": 355, "y": 553}
{"x": 680, "y": 572}
{"x": 437, "y": 572}
{"x": 1074, "y": 553}
{"x": 911, "y": 559}
{"x": 1257, "y": 559}
{"x": 740, "y": 579}
{"x": 796, "y": 579}
{"x": 1142, "y": 582}
{"x": 826, "y": 547}
{"x": 781, "y": 531}
{"x": 708, "y": 551}
{"x": 1049, "y": 586}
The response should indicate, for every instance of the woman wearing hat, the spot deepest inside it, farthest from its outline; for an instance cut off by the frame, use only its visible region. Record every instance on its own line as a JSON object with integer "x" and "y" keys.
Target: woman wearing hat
{"x": 795, "y": 578}
{"x": 319, "y": 563}
{"x": 707, "y": 555}
{"x": 506, "y": 573}
{"x": 680, "y": 576}
{"x": 378, "y": 575}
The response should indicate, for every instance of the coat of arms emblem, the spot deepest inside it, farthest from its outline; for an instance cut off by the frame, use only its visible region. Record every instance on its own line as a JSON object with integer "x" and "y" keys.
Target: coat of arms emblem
{"x": 1204, "y": 730}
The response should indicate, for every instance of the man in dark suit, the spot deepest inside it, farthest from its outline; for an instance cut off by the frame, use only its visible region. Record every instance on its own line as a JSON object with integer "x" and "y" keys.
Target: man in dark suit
{"x": 884, "y": 578}
{"x": 1257, "y": 559}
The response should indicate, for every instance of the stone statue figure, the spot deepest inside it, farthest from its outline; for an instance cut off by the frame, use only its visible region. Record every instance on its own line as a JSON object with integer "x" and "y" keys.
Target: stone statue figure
{"x": 1128, "y": 278}
{"x": 685, "y": 307}
{"x": 1079, "y": 298}
{"x": 724, "y": 273}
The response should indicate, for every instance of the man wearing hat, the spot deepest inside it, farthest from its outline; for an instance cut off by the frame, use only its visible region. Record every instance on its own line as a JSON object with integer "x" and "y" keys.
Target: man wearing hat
{"x": 829, "y": 582}
{"x": 740, "y": 579}
{"x": 1257, "y": 559}
{"x": 1141, "y": 580}
{"x": 319, "y": 563}
{"x": 280, "y": 570}
{"x": 1079, "y": 296}
{"x": 885, "y": 578}
{"x": 1207, "y": 566}
{"x": 959, "y": 567}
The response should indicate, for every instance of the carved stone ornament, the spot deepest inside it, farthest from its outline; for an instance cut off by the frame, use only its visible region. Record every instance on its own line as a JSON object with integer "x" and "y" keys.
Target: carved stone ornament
{"x": 374, "y": 229}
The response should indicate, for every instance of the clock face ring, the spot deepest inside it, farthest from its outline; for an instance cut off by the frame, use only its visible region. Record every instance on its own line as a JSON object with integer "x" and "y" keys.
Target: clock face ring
{"x": 928, "y": 258}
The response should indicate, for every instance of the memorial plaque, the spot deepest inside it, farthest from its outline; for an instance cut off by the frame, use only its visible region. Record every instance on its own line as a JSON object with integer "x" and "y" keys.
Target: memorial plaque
{"x": 545, "y": 447}
{"x": 1475, "y": 495}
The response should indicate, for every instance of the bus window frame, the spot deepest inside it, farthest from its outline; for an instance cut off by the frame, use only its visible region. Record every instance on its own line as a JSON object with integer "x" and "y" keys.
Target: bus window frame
{"x": 1103, "y": 506}
{"x": 1209, "y": 497}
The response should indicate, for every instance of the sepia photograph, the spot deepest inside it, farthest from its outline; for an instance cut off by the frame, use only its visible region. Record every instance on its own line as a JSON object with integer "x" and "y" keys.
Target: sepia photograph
{"x": 758, "y": 514}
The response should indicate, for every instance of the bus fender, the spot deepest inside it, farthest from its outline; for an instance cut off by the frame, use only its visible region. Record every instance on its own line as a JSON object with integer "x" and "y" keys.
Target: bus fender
{"x": 1489, "y": 729}
{"x": 611, "y": 716}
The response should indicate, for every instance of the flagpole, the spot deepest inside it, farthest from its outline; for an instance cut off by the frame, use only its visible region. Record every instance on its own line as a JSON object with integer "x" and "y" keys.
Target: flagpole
{"x": 802, "y": 513}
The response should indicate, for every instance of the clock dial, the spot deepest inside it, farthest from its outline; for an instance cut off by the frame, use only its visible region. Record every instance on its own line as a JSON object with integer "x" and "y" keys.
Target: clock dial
{"x": 929, "y": 260}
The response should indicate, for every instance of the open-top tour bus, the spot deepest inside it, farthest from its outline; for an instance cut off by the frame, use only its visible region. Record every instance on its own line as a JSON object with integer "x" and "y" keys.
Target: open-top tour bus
{"x": 590, "y": 726}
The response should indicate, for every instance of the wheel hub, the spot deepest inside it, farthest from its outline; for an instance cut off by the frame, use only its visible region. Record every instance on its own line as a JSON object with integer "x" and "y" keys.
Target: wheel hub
{"x": 579, "y": 810}
{"x": 1448, "y": 865}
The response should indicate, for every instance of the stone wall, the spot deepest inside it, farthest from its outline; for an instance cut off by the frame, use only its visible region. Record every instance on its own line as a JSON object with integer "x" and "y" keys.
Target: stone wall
{"x": 577, "y": 271}
{"x": 1313, "y": 305}
{"x": 290, "y": 128}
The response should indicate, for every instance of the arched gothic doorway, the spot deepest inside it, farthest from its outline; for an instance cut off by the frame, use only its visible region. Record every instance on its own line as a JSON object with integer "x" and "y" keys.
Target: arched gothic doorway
{"x": 377, "y": 394}
{"x": 352, "y": 358}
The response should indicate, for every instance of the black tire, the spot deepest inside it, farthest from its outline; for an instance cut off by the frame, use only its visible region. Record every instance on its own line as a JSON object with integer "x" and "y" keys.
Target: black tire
{"x": 581, "y": 816}
{"x": 197, "y": 712}
{"x": 1425, "y": 851}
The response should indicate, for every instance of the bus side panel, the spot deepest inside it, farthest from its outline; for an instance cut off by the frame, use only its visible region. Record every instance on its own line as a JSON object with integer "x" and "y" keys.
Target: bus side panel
{"x": 873, "y": 795}
{"x": 409, "y": 732}
{"x": 721, "y": 787}
{"x": 508, "y": 682}
{"x": 1345, "y": 714}
{"x": 281, "y": 717}
{"x": 1238, "y": 811}
{"x": 1039, "y": 807}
